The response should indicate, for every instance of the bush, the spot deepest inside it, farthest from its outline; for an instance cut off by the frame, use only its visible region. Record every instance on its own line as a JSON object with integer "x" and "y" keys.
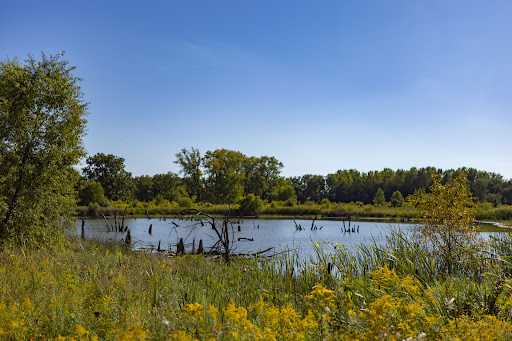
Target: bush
{"x": 91, "y": 191}
{"x": 251, "y": 204}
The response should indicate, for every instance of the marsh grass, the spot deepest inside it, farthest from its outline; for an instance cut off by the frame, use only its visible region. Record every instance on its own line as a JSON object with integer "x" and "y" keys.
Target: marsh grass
{"x": 483, "y": 211}
{"x": 384, "y": 290}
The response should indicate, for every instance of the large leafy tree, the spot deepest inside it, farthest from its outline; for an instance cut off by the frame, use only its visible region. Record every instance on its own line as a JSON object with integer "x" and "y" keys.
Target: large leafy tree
{"x": 109, "y": 171}
{"x": 144, "y": 188}
{"x": 225, "y": 175}
{"x": 309, "y": 187}
{"x": 42, "y": 122}
{"x": 169, "y": 186}
{"x": 379, "y": 199}
{"x": 191, "y": 163}
{"x": 261, "y": 175}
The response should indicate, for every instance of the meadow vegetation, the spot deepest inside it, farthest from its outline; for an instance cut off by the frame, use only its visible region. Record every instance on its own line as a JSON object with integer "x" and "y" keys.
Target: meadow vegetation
{"x": 398, "y": 289}
{"x": 93, "y": 290}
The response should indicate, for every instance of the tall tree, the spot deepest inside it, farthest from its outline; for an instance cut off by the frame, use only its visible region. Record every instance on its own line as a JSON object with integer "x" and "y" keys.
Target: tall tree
{"x": 109, "y": 171}
{"x": 169, "y": 186}
{"x": 379, "y": 199}
{"x": 283, "y": 190}
{"x": 191, "y": 163}
{"x": 225, "y": 175}
{"x": 309, "y": 187}
{"x": 42, "y": 122}
{"x": 261, "y": 174}
{"x": 397, "y": 199}
{"x": 144, "y": 188}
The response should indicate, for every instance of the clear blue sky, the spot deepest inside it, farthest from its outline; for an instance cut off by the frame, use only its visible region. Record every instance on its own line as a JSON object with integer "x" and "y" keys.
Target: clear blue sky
{"x": 320, "y": 85}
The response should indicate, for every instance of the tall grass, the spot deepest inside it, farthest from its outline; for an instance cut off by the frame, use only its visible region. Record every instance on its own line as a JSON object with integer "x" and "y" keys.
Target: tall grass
{"x": 386, "y": 289}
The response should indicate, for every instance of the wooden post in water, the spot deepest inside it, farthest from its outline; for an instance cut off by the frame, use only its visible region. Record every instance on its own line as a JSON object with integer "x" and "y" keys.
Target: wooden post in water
{"x": 122, "y": 222}
{"x": 83, "y": 228}
{"x": 200, "y": 247}
{"x": 150, "y": 228}
{"x": 115, "y": 222}
{"x": 181, "y": 247}
{"x": 128, "y": 239}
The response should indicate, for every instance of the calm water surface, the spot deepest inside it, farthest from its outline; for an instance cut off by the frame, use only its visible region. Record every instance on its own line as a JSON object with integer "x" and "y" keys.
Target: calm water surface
{"x": 266, "y": 233}
{"x": 279, "y": 234}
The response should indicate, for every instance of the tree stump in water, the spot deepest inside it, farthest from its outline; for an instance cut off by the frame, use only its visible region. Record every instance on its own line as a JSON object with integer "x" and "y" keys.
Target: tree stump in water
{"x": 128, "y": 239}
{"x": 200, "y": 249}
{"x": 181, "y": 247}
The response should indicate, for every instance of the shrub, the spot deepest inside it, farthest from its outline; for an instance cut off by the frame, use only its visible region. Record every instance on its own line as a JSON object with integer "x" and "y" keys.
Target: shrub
{"x": 251, "y": 204}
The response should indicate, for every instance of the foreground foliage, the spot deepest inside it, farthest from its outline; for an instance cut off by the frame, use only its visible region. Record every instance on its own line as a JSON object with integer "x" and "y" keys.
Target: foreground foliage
{"x": 107, "y": 292}
{"x": 447, "y": 229}
{"x": 41, "y": 128}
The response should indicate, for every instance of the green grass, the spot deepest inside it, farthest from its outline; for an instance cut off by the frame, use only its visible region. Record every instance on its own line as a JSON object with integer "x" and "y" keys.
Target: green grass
{"x": 114, "y": 293}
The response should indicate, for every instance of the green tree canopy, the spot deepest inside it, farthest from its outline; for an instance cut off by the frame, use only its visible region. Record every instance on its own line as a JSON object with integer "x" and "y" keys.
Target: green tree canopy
{"x": 191, "y": 163}
{"x": 144, "y": 188}
{"x": 283, "y": 191}
{"x": 42, "y": 122}
{"x": 91, "y": 192}
{"x": 397, "y": 199}
{"x": 225, "y": 175}
{"x": 261, "y": 174}
{"x": 170, "y": 187}
{"x": 379, "y": 199}
{"x": 109, "y": 171}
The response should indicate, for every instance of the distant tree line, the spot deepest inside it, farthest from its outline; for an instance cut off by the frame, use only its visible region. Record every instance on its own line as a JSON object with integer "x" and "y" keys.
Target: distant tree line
{"x": 353, "y": 186}
{"x": 226, "y": 177}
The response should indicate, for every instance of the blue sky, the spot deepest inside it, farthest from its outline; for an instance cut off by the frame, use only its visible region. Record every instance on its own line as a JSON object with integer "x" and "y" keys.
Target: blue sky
{"x": 320, "y": 85}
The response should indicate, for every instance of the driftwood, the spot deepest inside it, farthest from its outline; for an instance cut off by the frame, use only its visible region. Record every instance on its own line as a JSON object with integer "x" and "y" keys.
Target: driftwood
{"x": 249, "y": 239}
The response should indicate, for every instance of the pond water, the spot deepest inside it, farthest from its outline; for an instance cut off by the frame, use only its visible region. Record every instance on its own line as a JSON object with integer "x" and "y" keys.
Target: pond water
{"x": 265, "y": 233}
{"x": 279, "y": 234}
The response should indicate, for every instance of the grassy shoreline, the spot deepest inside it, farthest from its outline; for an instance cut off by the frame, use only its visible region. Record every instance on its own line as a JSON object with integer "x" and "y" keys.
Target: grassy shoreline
{"x": 104, "y": 291}
{"x": 481, "y": 212}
